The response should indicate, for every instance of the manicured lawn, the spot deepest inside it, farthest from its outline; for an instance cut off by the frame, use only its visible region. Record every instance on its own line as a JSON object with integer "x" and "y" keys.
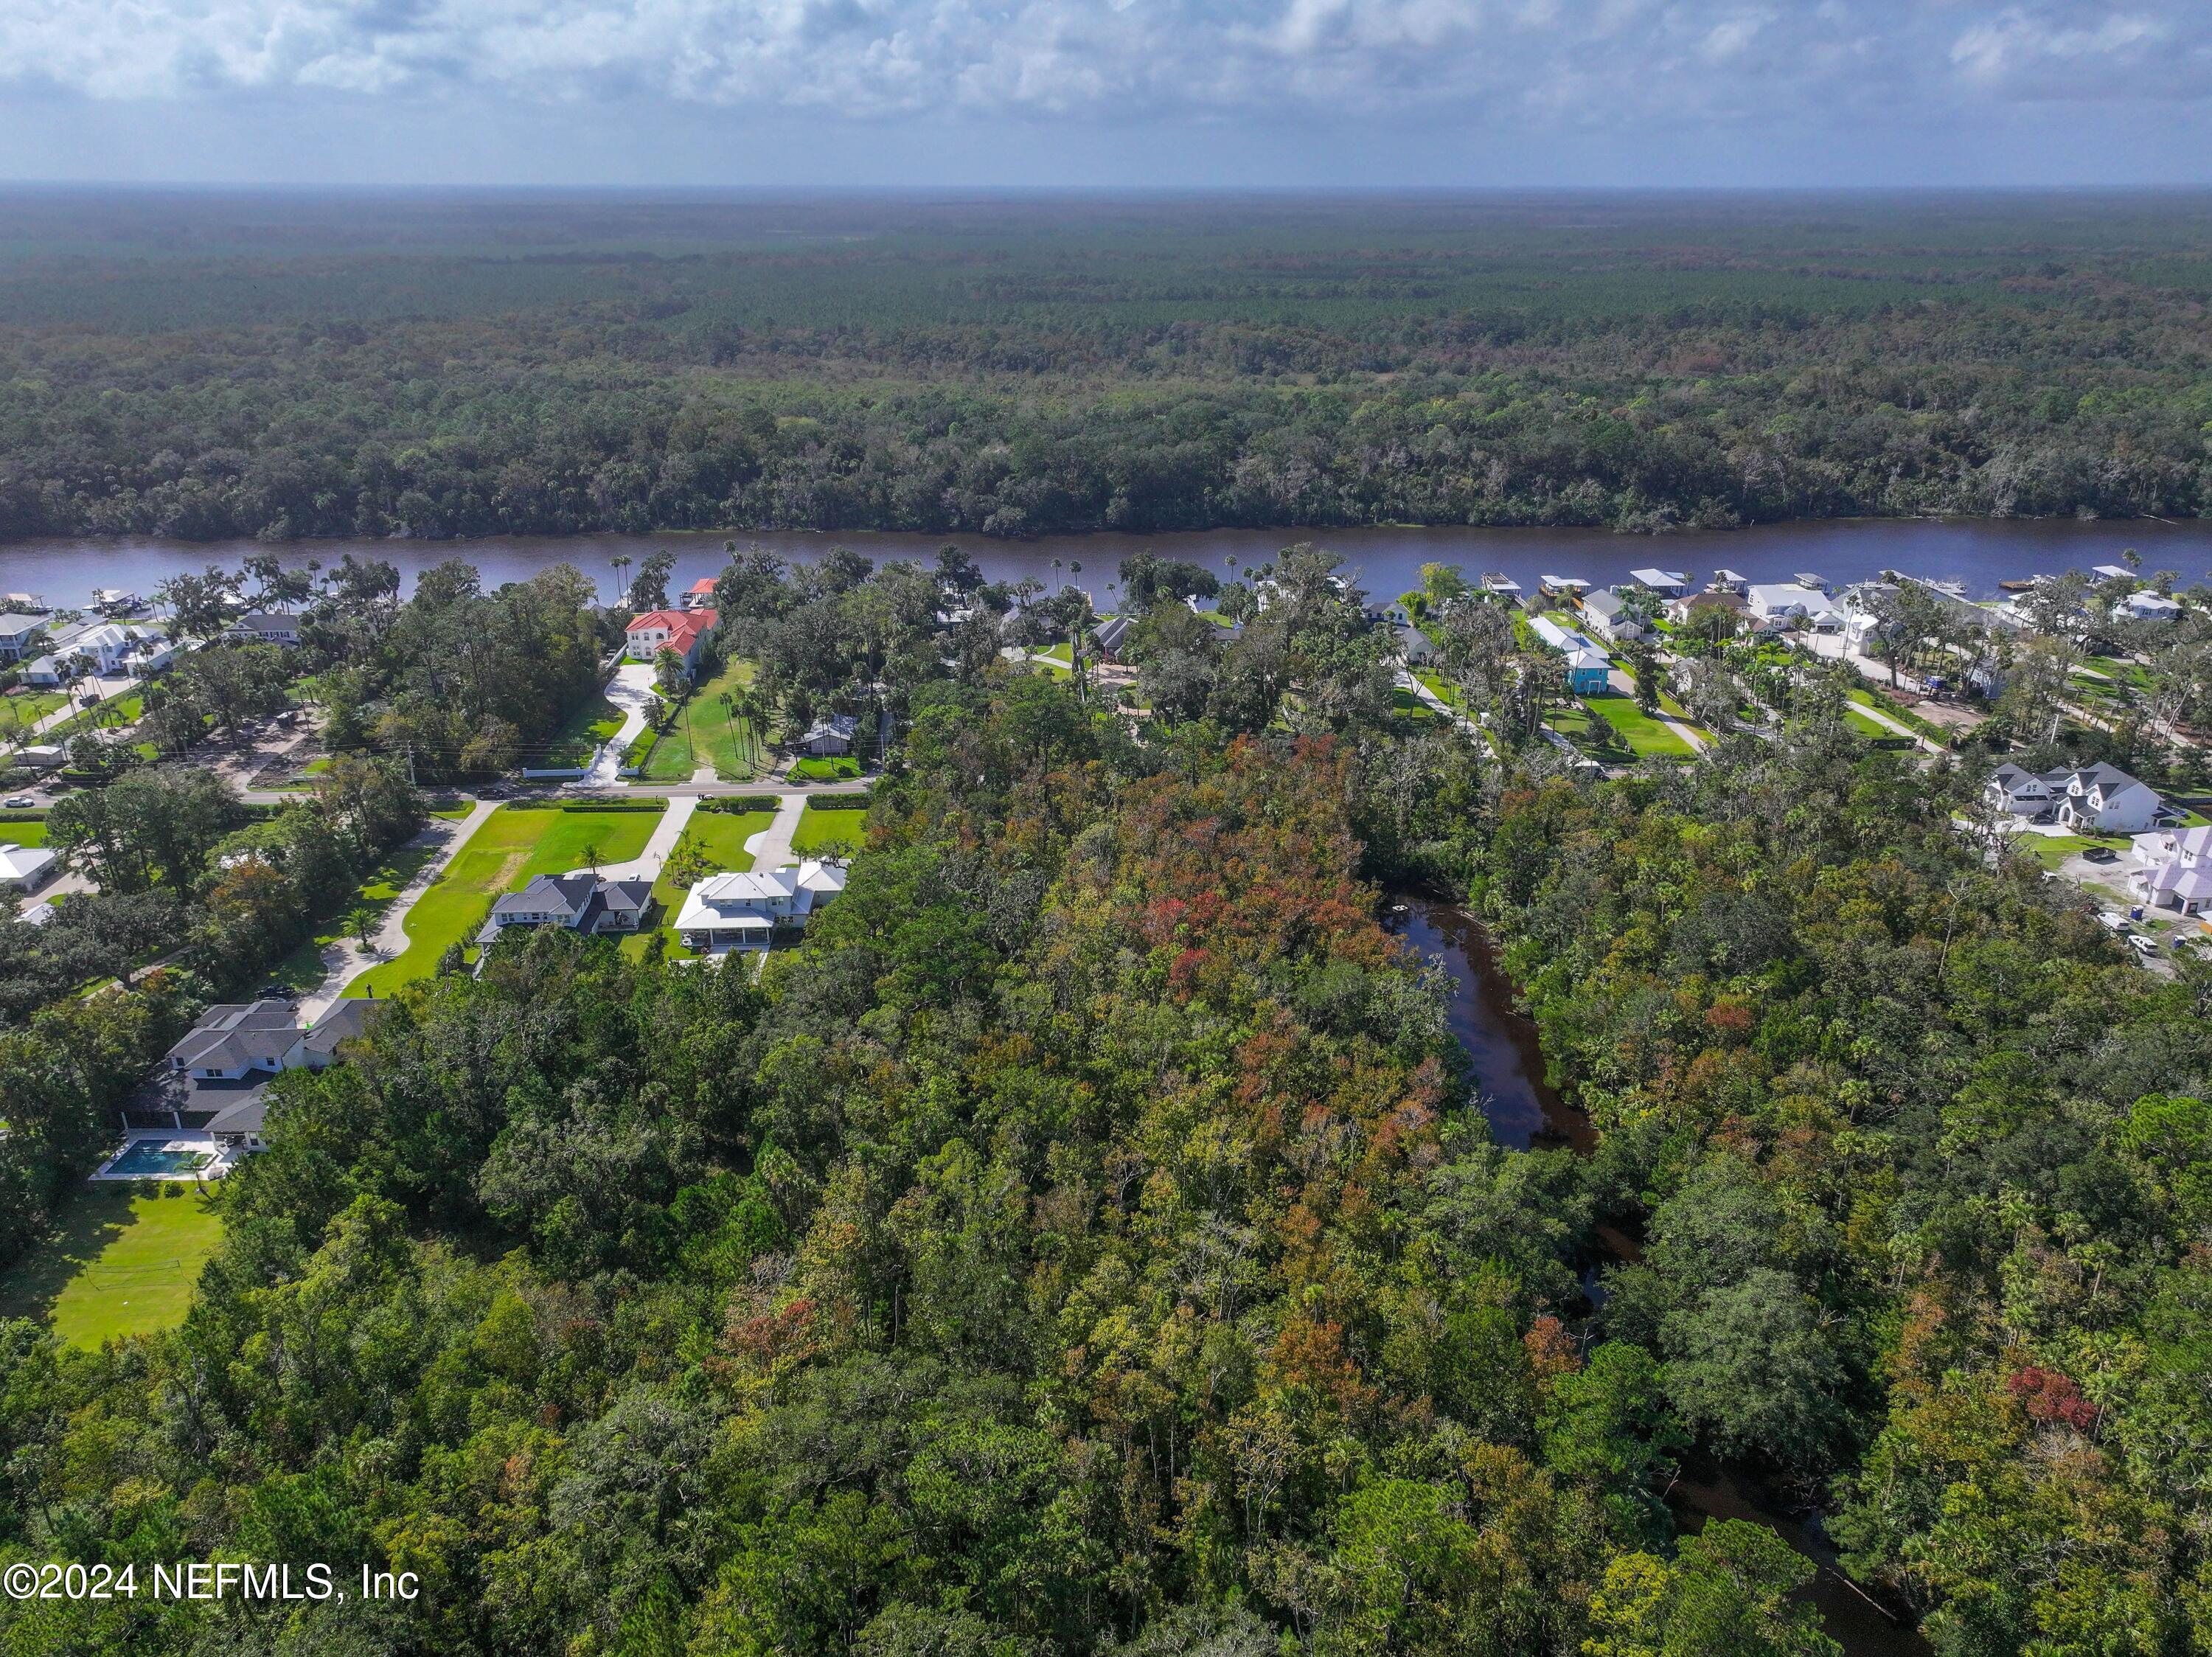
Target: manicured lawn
{"x": 837, "y": 769}
{"x": 720, "y": 839}
{"x": 302, "y": 969}
{"x": 18, "y": 712}
{"x": 1584, "y": 729}
{"x": 23, "y": 834}
{"x": 704, "y": 733}
{"x": 118, "y": 1264}
{"x": 1438, "y": 686}
{"x": 837, "y": 831}
{"x": 1063, "y": 653}
{"x": 116, "y": 711}
{"x": 594, "y": 721}
{"x": 502, "y": 856}
{"x": 1644, "y": 734}
{"x": 1404, "y": 704}
{"x": 1867, "y": 698}
{"x": 2052, "y": 850}
{"x": 1864, "y": 726}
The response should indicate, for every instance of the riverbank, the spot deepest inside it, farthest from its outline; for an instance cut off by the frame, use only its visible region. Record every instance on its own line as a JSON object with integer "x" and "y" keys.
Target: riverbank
{"x": 1387, "y": 561}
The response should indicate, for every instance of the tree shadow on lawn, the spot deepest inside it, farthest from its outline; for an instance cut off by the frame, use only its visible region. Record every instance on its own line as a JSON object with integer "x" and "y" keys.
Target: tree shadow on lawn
{"x": 88, "y": 1222}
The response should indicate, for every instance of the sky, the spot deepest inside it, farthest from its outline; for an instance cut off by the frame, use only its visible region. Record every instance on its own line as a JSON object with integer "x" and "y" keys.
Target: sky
{"x": 868, "y": 93}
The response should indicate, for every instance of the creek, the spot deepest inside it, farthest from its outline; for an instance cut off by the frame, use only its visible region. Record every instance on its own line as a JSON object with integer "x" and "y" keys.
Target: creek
{"x": 1525, "y": 1112}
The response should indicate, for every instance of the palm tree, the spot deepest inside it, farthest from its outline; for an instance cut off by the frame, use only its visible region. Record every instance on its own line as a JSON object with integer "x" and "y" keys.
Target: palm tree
{"x": 621, "y": 562}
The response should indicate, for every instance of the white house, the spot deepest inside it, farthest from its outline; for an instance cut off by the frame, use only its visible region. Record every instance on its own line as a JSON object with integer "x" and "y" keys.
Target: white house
{"x": 578, "y": 900}
{"x": 1667, "y": 583}
{"x": 25, "y": 868}
{"x": 1416, "y": 647}
{"x": 687, "y": 632}
{"x": 742, "y": 911}
{"x": 16, "y": 632}
{"x": 113, "y": 648}
{"x": 220, "y": 1068}
{"x": 1607, "y": 614}
{"x": 2146, "y": 605}
{"x": 832, "y": 736}
{"x": 267, "y": 627}
{"x": 1771, "y": 606}
{"x": 2097, "y": 799}
{"x": 2176, "y": 869}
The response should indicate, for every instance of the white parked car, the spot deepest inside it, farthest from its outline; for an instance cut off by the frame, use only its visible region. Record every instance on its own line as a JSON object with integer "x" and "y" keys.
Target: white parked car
{"x": 18, "y": 801}
{"x": 2142, "y": 946}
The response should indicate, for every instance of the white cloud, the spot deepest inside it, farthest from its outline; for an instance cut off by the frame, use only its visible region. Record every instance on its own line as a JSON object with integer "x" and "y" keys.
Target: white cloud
{"x": 1587, "y": 63}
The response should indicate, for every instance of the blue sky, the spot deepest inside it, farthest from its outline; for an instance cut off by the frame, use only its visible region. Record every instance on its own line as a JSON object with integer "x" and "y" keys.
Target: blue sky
{"x": 1107, "y": 92}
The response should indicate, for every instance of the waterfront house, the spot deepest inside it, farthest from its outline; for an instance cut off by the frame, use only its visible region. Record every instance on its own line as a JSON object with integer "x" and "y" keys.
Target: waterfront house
{"x": 1667, "y": 583}
{"x": 1772, "y": 606}
{"x": 267, "y": 627}
{"x": 17, "y": 633}
{"x": 687, "y": 632}
{"x": 1607, "y": 614}
{"x": 700, "y": 594}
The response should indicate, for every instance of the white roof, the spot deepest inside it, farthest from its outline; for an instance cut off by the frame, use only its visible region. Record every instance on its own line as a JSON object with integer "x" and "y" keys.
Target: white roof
{"x": 1660, "y": 577}
{"x": 1562, "y": 581}
{"x": 19, "y": 863}
{"x": 1563, "y": 638}
{"x": 2115, "y": 572}
{"x": 751, "y": 902}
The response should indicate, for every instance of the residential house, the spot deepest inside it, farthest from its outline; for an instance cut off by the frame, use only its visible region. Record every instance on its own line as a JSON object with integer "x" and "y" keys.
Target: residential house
{"x": 687, "y": 632}
{"x": 267, "y": 627}
{"x": 700, "y": 594}
{"x": 1416, "y": 648}
{"x": 1667, "y": 583}
{"x": 17, "y": 631}
{"x": 2096, "y": 799}
{"x": 2176, "y": 869}
{"x": 578, "y": 900}
{"x": 114, "y": 649}
{"x": 1685, "y": 612}
{"x": 1727, "y": 581}
{"x": 743, "y": 911}
{"x": 1107, "y": 635}
{"x": 1569, "y": 587}
{"x": 24, "y": 868}
{"x": 1589, "y": 671}
{"x": 218, "y": 1072}
{"x": 830, "y": 736}
{"x": 1773, "y": 607}
{"x": 2142, "y": 606}
{"x": 1607, "y": 614}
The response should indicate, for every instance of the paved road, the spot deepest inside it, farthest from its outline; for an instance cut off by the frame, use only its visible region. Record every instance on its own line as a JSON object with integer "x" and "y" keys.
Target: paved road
{"x": 343, "y": 961}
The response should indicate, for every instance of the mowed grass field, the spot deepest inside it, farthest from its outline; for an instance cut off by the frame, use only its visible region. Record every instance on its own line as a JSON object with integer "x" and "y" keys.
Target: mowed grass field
{"x": 704, "y": 733}
{"x": 841, "y": 832}
{"x": 116, "y": 1264}
{"x": 505, "y": 854}
{"x": 1644, "y": 734}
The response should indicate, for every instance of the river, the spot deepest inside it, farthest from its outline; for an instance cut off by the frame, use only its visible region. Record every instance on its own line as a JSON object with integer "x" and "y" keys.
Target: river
{"x": 1524, "y": 1111}
{"x": 1979, "y": 552}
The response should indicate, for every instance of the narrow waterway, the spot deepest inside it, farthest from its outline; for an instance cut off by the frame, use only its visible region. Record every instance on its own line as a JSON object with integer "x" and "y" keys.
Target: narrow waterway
{"x": 1524, "y": 1111}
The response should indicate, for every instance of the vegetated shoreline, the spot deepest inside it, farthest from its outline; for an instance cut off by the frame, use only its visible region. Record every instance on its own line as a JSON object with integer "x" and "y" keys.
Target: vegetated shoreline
{"x": 1669, "y": 531}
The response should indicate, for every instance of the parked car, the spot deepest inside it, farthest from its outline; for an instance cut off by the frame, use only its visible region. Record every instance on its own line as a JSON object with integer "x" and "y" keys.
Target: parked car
{"x": 2100, "y": 854}
{"x": 2142, "y": 945}
{"x": 17, "y": 802}
{"x": 276, "y": 992}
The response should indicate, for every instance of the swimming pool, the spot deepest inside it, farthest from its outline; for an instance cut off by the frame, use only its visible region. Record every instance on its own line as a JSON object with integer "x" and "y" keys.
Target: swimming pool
{"x": 157, "y": 1159}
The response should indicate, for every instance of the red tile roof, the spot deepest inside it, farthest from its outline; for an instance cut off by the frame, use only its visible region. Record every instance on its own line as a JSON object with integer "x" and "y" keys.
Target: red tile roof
{"x": 704, "y": 584}
{"x": 682, "y": 626}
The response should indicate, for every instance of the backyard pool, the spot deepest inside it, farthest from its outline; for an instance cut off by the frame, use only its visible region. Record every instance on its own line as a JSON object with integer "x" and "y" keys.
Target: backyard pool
{"x": 158, "y": 1158}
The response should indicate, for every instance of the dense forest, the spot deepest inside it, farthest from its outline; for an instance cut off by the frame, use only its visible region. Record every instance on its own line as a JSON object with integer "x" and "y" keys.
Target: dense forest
{"x": 204, "y": 366}
{"x": 1089, "y": 1241}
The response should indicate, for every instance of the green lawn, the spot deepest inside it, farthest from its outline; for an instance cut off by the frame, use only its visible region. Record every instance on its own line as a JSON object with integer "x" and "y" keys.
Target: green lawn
{"x": 2052, "y": 850}
{"x": 118, "y": 1264}
{"x": 1063, "y": 653}
{"x": 1863, "y": 725}
{"x": 834, "y": 831}
{"x": 116, "y": 711}
{"x": 25, "y": 708}
{"x": 23, "y": 834}
{"x": 834, "y": 769}
{"x": 1438, "y": 686}
{"x": 703, "y": 734}
{"x": 503, "y": 856}
{"x": 1866, "y": 696}
{"x": 594, "y": 721}
{"x": 719, "y": 837}
{"x": 302, "y": 969}
{"x": 1406, "y": 704}
{"x": 1644, "y": 734}
{"x": 1585, "y": 730}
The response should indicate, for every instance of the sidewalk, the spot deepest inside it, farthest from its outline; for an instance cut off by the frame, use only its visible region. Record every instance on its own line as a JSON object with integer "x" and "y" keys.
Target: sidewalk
{"x": 343, "y": 961}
